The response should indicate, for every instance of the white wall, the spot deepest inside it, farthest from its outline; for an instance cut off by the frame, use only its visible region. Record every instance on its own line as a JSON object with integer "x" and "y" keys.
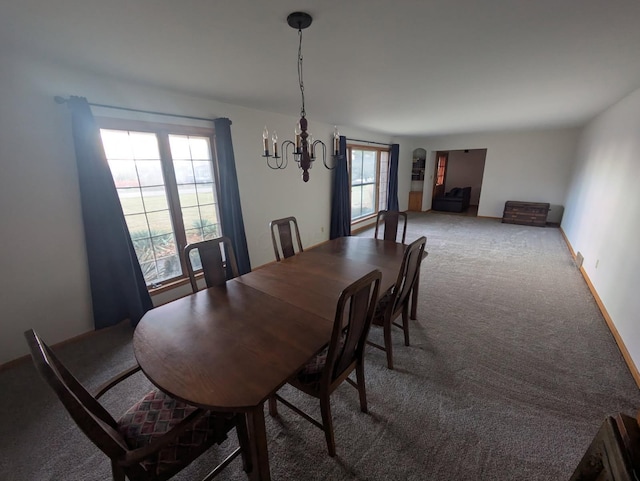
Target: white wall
{"x": 44, "y": 281}
{"x": 602, "y": 216}
{"x": 44, "y": 278}
{"x": 530, "y": 166}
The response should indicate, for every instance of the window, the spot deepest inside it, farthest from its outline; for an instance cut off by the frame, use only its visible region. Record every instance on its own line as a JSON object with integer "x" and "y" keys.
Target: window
{"x": 369, "y": 169}
{"x": 165, "y": 179}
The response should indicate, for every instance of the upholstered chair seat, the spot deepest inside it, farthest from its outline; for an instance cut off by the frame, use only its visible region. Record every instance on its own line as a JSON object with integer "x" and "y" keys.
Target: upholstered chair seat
{"x": 312, "y": 370}
{"x": 155, "y": 415}
{"x": 383, "y": 304}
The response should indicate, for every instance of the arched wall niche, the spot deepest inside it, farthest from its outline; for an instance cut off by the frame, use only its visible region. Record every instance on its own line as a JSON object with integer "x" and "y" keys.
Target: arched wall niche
{"x": 417, "y": 178}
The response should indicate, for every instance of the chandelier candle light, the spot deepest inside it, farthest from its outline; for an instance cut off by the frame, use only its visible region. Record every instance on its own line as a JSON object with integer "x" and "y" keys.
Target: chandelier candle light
{"x": 303, "y": 148}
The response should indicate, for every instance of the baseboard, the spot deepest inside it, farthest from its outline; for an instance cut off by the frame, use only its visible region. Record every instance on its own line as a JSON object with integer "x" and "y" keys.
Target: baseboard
{"x": 569, "y": 246}
{"x": 27, "y": 357}
{"x": 607, "y": 318}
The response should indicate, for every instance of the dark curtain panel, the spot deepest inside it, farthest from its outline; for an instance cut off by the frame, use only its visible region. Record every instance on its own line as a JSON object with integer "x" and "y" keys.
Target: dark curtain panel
{"x": 118, "y": 288}
{"x": 392, "y": 192}
{"x": 340, "y": 207}
{"x": 230, "y": 208}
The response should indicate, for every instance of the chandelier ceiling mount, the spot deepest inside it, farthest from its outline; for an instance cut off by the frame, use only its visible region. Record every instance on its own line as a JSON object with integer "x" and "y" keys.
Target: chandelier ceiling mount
{"x": 299, "y": 20}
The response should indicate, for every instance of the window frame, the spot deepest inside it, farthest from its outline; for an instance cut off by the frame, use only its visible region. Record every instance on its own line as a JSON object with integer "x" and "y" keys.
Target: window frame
{"x": 162, "y": 132}
{"x": 442, "y": 160}
{"x": 378, "y": 151}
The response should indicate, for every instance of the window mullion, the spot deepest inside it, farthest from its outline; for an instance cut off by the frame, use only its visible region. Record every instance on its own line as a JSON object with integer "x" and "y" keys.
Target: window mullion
{"x": 376, "y": 189}
{"x": 173, "y": 195}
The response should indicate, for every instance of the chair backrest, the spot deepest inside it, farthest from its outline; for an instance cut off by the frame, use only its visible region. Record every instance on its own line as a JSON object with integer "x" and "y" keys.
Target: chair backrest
{"x": 85, "y": 410}
{"x": 408, "y": 273}
{"x": 354, "y": 313}
{"x": 217, "y": 260}
{"x": 285, "y": 236}
{"x": 391, "y": 220}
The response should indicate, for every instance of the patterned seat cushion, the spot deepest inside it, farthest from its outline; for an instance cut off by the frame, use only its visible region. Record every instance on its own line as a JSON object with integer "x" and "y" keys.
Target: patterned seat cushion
{"x": 156, "y": 414}
{"x": 312, "y": 370}
{"x": 381, "y": 307}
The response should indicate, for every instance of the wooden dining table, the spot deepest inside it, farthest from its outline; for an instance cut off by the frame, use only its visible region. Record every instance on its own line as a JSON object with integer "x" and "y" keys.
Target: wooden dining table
{"x": 230, "y": 348}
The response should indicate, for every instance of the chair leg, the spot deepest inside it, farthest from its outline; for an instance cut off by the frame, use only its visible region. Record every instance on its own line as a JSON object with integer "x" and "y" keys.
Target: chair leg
{"x": 405, "y": 323}
{"x": 362, "y": 391}
{"x": 387, "y": 343}
{"x": 273, "y": 406}
{"x": 243, "y": 440}
{"x": 327, "y": 423}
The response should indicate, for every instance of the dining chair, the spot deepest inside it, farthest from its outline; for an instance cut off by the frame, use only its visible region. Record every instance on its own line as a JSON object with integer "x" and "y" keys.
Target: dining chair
{"x": 284, "y": 227}
{"x": 155, "y": 439}
{"x": 614, "y": 452}
{"x": 396, "y": 301}
{"x": 391, "y": 219}
{"x": 322, "y": 374}
{"x": 217, "y": 261}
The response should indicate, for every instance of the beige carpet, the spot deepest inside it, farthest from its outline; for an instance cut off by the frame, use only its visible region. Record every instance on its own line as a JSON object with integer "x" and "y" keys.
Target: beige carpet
{"x": 510, "y": 372}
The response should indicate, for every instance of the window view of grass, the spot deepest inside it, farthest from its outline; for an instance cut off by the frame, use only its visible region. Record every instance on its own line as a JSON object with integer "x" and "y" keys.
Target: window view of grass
{"x": 136, "y": 166}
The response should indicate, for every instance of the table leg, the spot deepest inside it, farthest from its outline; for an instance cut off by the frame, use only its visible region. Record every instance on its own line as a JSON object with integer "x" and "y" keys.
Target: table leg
{"x": 258, "y": 440}
{"x": 414, "y": 298}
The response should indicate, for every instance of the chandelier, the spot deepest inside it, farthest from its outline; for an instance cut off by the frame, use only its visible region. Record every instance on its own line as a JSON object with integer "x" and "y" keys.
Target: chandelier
{"x": 303, "y": 148}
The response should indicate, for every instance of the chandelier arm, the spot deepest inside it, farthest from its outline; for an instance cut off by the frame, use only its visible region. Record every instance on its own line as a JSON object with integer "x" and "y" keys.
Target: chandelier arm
{"x": 324, "y": 152}
{"x": 314, "y": 147}
{"x": 285, "y": 151}
{"x": 281, "y": 162}
{"x": 284, "y": 160}
{"x": 276, "y": 164}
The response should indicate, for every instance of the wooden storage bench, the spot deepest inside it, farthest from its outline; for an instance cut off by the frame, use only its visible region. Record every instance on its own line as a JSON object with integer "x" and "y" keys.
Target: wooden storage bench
{"x": 525, "y": 213}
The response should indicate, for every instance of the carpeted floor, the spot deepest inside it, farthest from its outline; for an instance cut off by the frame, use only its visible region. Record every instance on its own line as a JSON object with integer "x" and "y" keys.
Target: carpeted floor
{"x": 510, "y": 372}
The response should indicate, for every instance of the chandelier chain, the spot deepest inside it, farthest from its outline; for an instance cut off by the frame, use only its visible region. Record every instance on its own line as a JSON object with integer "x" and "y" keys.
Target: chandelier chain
{"x": 303, "y": 113}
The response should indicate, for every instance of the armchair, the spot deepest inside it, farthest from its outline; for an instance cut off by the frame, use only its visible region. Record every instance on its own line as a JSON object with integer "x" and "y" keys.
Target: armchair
{"x": 456, "y": 200}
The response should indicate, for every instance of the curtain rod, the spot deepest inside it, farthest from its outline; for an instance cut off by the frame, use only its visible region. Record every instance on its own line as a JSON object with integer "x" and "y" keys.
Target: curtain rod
{"x": 62, "y": 100}
{"x": 369, "y": 142}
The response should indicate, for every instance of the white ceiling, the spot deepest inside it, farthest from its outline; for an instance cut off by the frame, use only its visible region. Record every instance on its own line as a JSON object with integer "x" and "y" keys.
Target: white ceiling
{"x": 405, "y": 67}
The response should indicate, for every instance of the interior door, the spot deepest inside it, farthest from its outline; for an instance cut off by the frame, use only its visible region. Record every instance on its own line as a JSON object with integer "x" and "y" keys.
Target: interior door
{"x": 440, "y": 173}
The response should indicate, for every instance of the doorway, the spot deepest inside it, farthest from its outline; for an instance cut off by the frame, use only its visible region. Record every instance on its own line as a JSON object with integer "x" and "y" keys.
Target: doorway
{"x": 458, "y": 173}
